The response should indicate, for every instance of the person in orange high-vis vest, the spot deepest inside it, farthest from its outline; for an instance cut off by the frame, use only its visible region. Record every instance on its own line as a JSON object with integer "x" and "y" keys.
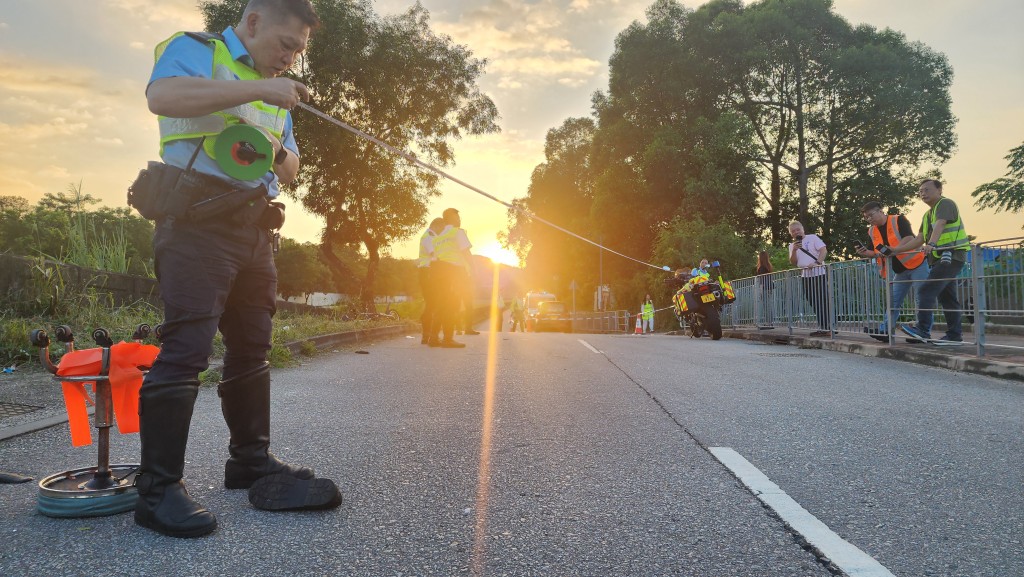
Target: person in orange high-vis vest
{"x": 909, "y": 268}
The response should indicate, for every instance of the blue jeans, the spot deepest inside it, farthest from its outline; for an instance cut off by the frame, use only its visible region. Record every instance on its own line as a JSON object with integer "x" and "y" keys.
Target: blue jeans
{"x": 902, "y": 283}
{"x": 942, "y": 291}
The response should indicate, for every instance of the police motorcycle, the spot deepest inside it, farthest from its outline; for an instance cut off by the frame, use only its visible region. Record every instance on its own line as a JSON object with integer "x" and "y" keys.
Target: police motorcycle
{"x": 699, "y": 299}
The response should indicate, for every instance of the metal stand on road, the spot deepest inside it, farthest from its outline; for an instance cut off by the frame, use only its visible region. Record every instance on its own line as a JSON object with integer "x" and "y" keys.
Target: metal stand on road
{"x": 103, "y": 489}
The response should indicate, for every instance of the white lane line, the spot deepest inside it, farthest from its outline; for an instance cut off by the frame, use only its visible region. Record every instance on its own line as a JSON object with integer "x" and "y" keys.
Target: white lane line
{"x": 851, "y": 560}
{"x": 586, "y": 344}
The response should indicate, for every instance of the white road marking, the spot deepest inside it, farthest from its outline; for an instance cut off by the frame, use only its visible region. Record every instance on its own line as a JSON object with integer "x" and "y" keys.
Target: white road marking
{"x": 586, "y": 344}
{"x": 851, "y": 560}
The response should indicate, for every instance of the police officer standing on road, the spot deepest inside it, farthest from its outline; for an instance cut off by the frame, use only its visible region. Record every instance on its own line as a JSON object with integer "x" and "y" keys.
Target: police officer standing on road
{"x": 214, "y": 260}
{"x": 423, "y": 263}
{"x": 451, "y": 248}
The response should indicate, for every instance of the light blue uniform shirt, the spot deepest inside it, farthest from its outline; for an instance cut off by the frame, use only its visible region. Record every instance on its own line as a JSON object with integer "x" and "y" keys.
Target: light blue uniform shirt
{"x": 186, "y": 56}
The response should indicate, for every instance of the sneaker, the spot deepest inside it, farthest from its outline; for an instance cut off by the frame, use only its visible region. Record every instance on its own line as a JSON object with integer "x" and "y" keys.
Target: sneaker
{"x": 425, "y": 341}
{"x": 915, "y": 334}
{"x": 472, "y": 332}
{"x": 947, "y": 340}
{"x": 448, "y": 344}
{"x": 434, "y": 342}
{"x": 877, "y": 335}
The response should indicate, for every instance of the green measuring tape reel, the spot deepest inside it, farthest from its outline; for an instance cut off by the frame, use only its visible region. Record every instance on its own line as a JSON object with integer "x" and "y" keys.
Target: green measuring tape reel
{"x": 243, "y": 152}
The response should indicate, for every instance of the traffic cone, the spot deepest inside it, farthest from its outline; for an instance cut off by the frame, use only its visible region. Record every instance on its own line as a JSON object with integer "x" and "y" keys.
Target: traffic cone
{"x": 639, "y": 325}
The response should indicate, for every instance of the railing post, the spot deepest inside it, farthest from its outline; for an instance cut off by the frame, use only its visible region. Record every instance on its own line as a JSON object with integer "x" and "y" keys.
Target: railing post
{"x": 890, "y": 277}
{"x": 977, "y": 279}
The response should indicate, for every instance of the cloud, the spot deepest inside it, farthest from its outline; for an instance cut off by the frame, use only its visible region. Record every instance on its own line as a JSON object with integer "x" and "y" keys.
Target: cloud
{"x": 4, "y": 26}
{"x": 108, "y": 141}
{"x": 157, "y": 12}
{"x": 138, "y": 45}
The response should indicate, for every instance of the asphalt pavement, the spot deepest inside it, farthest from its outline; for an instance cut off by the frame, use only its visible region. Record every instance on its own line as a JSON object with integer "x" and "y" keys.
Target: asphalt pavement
{"x": 595, "y": 458}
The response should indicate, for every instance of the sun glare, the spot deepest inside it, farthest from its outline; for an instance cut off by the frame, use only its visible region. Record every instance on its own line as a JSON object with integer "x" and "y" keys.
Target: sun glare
{"x": 497, "y": 253}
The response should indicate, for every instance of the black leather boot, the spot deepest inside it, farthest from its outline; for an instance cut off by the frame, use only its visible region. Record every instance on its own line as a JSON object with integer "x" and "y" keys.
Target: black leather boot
{"x": 245, "y": 402}
{"x": 165, "y": 413}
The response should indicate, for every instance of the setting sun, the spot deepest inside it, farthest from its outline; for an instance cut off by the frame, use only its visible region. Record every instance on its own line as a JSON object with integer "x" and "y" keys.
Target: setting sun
{"x": 498, "y": 253}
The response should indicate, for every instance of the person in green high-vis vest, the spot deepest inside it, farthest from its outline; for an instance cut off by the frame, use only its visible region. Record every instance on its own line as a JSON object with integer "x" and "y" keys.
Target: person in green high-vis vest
{"x": 647, "y": 315}
{"x": 944, "y": 241}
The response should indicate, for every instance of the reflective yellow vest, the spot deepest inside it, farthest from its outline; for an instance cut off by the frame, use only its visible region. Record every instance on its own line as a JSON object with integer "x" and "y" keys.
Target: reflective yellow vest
{"x": 954, "y": 236}
{"x": 256, "y": 113}
{"x": 648, "y": 311}
{"x": 424, "y": 257}
{"x": 910, "y": 260}
{"x": 445, "y": 247}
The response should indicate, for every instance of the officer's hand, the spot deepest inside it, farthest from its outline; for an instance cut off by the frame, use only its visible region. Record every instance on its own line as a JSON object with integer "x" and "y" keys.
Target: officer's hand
{"x": 284, "y": 92}
{"x": 270, "y": 136}
{"x": 862, "y": 251}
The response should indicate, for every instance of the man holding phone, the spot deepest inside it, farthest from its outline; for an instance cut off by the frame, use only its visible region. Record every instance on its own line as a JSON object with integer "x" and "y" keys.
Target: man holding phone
{"x": 887, "y": 230}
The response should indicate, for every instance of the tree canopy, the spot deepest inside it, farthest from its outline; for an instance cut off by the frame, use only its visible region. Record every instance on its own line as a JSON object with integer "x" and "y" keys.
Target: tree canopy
{"x": 748, "y": 115}
{"x": 1006, "y": 193}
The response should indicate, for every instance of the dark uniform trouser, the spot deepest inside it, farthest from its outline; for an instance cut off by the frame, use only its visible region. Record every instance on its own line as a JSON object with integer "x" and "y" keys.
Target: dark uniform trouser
{"x": 444, "y": 276}
{"x": 213, "y": 275}
{"x": 429, "y": 299}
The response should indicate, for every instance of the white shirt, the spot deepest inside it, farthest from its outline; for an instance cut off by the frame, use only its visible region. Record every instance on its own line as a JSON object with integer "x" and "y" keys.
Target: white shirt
{"x": 813, "y": 244}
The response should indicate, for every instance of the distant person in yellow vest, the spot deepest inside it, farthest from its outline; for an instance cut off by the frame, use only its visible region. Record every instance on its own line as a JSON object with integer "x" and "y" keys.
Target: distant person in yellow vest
{"x": 451, "y": 250}
{"x": 943, "y": 239}
{"x": 518, "y": 317}
{"x": 426, "y": 258}
{"x": 647, "y": 314}
{"x": 887, "y": 231}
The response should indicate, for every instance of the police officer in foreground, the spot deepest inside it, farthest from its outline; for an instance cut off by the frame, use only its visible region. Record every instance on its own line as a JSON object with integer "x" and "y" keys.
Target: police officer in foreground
{"x": 214, "y": 260}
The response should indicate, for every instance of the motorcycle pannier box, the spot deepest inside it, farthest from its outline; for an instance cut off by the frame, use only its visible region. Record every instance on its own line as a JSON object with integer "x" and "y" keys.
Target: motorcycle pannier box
{"x": 687, "y": 301}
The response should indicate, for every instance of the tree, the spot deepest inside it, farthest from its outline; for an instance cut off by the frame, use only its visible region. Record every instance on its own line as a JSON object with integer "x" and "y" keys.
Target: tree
{"x": 684, "y": 242}
{"x": 1006, "y": 193}
{"x": 396, "y": 79}
{"x": 560, "y": 192}
{"x": 300, "y": 272}
{"x": 830, "y": 105}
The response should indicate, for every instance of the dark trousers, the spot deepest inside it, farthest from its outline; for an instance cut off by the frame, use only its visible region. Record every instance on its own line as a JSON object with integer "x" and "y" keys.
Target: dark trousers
{"x": 816, "y": 293}
{"x": 429, "y": 300}
{"x": 213, "y": 275}
{"x": 943, "y": 290}
{"x": 444, "y": 277}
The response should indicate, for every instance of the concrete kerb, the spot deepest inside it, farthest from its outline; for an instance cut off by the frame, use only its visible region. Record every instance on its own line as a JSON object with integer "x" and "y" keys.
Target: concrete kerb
{"x": 296, "y": 348}
{"x": 953, "y": 362}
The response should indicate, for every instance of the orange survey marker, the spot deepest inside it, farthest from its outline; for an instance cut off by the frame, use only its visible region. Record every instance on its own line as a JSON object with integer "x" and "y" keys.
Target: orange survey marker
{"x": 125, "y": 381}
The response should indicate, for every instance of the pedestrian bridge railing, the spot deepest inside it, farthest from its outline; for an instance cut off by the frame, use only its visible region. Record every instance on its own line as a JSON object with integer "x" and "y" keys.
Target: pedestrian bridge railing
{"x": 853, "y": 297}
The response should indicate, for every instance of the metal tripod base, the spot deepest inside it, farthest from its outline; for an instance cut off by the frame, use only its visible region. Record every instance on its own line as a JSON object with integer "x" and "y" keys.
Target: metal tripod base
{"x": 83, "y": 493}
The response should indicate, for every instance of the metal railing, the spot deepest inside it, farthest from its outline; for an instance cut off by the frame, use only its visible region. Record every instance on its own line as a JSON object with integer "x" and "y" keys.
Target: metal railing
{"x": 600, "y": 321}
{"x": 853, "y": 297}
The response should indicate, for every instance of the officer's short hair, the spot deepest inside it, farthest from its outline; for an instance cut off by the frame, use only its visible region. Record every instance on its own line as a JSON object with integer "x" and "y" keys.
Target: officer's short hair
{"x": 935, "y": 183}
{"x": 301, "y": 9}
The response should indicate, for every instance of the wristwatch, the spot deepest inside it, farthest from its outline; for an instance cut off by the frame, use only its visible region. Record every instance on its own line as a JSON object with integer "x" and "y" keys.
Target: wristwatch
{"x": 281, "y": 155}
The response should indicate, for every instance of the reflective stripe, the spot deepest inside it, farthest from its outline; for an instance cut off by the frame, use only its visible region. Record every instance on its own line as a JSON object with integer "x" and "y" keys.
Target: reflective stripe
{"x": 910, "y": 260}
{"x": 191, "y": 126}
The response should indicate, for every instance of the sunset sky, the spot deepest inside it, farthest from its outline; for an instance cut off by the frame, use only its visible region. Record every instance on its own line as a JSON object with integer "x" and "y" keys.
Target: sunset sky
{"x": 73, "y": 75}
